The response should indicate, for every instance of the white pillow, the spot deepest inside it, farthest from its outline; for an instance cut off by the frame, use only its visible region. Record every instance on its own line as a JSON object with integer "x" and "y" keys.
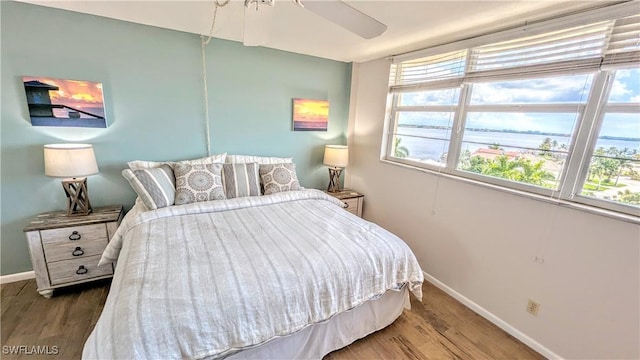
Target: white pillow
{"x": 261, "y": 160}
{"x": 141, "y": 164}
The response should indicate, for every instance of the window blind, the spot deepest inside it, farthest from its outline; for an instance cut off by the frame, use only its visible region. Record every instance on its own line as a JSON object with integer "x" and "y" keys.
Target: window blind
{"x": 433, "y": 72}
{"x": 603, "y": 44}
{"x": 624, "y": 44}
{"x": 570, "y": 50}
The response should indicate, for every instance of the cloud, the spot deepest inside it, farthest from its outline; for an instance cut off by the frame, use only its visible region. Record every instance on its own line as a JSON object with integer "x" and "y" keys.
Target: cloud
{"x": 626, "y": 86}
{"x": 566, "y": 89}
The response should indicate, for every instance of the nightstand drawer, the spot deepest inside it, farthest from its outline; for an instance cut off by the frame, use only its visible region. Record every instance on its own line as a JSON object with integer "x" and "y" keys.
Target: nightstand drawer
{"x": 352, "y": 205}
{"x": 74, "y": 234}
{"x": 57, "y": 251}
{"x": 77, "y": 269}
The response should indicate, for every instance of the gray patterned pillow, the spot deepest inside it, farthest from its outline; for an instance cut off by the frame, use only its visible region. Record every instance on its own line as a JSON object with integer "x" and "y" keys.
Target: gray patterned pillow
{"x": 241, "y": 180}
{"x": 155, "y": 187}
{"x": 279, "y": 177}
{"x": 198, "y": 182}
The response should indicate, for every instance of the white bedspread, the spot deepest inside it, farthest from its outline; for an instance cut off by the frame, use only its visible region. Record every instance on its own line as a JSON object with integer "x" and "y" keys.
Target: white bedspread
{"x": 205, "y": 280}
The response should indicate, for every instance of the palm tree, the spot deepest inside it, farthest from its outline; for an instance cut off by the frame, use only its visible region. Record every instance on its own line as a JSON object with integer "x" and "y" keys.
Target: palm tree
{"x": 546, "y": 146}
{"x": 399, "y": 150}
{"x": 533, "y": 173}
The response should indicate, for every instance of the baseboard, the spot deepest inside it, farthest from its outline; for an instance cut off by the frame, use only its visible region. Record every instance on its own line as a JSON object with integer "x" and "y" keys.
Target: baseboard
{"x": 5, "y": 279}
{"x": 492, "y": 318}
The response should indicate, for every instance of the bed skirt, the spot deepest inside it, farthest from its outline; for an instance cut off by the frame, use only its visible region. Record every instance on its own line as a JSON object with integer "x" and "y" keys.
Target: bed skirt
{"x": 316, "y": 341}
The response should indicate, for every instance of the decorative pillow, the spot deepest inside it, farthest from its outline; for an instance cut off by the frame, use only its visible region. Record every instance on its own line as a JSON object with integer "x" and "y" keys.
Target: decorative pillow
{"x": 155, "y": 187}
{"x": 241, "y": 180}
{"x": 198, "y": 182}
{"x": 243, "y": 159}
{"x": 141, "y": 164}
{"x": 279, "y": 177}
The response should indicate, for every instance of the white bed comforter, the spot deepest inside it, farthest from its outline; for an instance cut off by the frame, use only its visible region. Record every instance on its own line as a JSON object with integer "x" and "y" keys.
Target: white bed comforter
{"x": 205, "y": 280}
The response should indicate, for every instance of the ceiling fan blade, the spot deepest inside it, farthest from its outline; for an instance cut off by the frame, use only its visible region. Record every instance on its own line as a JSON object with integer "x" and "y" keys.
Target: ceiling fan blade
{"x": 346, "y": 16}
{"x": 256, "y": 25}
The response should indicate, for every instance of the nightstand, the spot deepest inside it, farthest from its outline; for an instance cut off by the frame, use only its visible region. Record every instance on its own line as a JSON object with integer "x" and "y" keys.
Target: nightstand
{"x": 352, "y": 198}
{"x": 65, "y": 250}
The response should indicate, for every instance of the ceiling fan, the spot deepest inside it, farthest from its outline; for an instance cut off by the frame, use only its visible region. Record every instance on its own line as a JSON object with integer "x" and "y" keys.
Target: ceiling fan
{"x": 338, "y": 12}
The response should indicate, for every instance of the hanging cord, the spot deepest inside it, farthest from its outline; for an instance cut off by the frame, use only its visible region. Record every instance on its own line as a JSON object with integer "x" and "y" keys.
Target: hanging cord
{"x": 552, "y": 216}
{"x": 203, "y": 45}
{"x": 452, "y": 112}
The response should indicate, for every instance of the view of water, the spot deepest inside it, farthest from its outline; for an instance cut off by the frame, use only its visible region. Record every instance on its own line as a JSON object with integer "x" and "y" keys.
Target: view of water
{"x": 473, "y": 140}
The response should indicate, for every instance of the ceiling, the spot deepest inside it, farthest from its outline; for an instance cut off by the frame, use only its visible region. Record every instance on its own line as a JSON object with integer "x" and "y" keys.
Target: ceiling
{"x": 411, "y": 24}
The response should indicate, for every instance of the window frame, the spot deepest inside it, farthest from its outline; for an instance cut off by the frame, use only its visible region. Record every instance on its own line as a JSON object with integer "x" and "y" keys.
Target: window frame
{"x": 582, "y": 143}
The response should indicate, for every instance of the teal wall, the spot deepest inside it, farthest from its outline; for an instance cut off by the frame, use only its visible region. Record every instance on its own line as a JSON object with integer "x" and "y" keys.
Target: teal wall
{"x": 152, "y": 82}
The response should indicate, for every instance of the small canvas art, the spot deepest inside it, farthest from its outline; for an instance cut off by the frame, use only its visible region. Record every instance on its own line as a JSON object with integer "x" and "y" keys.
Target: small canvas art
{"x": 58, "y": 102}
{"x": 310, "y": 115}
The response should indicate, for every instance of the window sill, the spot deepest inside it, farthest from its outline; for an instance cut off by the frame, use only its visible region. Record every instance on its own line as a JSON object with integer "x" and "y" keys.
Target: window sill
{"x": 572, "y": 205}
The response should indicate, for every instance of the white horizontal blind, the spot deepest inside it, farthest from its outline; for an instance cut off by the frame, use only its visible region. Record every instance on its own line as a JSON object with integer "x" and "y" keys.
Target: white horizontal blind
{"x": 624, "y": 43}
{"x": 432, "y": 72}
{"x": 574, "y": 50}
{"x": 600, "y": 45}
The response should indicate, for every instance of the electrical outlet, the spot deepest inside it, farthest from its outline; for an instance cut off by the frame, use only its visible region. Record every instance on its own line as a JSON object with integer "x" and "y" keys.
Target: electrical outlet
{"x": 533, "y": 307}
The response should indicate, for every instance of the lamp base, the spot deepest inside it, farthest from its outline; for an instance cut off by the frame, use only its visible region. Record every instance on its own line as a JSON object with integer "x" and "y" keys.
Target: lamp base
{"x": 78, "y": 203}
{"x": 334, "y": 179}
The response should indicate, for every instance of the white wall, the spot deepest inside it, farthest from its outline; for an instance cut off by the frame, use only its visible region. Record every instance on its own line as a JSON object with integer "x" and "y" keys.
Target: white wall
{"x": 482, "y": 242}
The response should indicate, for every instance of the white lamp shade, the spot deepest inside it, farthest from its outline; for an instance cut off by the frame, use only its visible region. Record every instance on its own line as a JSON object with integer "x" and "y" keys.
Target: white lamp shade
{"x": 69, "y": 160}
{"x": 336, "y": 156}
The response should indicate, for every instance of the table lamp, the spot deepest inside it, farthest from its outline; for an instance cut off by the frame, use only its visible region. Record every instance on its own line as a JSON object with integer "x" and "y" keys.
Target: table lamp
{"x": 73, "y": 162}
{"x": 337, "y": 158}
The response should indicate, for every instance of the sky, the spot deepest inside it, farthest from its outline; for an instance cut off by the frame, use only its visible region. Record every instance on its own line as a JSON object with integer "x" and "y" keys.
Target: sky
{"x": 573, "y": 89}
{"x": 310, "y": 110}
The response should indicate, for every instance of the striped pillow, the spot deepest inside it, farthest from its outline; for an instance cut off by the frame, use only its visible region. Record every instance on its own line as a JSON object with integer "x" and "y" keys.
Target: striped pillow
{"x": 240, "y": 180}
{"x": 156, "y": 187}
{"x": 262, "y": 160}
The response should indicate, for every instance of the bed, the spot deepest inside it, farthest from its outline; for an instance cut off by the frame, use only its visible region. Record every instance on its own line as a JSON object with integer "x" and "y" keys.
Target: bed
{"x": 286, "y": 275}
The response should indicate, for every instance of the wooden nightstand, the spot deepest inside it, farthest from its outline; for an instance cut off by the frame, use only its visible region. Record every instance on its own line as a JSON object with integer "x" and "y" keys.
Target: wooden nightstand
{"x": 352, "y": 198}
{"x": 65, "y": 250}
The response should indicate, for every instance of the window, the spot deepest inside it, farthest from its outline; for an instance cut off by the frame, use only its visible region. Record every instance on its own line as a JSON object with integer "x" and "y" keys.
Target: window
{"x": 614, "y": 168}
{"x": 556, "y": 113}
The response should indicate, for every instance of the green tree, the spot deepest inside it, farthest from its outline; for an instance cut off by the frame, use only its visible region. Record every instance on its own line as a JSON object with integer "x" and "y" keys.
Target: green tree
{"x": 605, "y": 164}
{"x": 494, "y": 146}
{"x": 399, "y": 150}
{"x": 533, "y": 173}
{"x": 521, "y": 170}
{"x": 546, "y": 146}
{"x": 628, "y": 197}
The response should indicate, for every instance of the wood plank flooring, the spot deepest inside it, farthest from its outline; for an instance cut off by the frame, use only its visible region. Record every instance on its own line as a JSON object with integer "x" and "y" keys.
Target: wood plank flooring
{"x": 439, "y": 327}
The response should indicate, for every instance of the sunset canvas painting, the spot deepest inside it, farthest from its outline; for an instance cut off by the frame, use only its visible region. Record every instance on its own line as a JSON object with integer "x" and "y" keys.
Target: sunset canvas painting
{"x": 310, "y": 115}
{"x": 58, "y": 102}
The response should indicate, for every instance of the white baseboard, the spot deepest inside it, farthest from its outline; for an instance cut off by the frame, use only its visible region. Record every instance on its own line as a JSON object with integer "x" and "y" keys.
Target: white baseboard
{"x": 4, "y": 279}
{"x": 492, "y": 318}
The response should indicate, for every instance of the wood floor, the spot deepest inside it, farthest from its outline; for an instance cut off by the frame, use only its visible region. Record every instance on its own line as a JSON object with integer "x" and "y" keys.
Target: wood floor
{"x": 438, "y": 328}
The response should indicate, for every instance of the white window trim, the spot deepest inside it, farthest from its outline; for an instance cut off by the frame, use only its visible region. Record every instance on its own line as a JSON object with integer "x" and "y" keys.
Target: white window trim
{"x": 583, "y": 141}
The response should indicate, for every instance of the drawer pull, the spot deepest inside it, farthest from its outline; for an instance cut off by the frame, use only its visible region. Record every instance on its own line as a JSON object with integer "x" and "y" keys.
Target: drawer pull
{"x": 75, "y": 236}
{"x": 81, "y": 270}
{"x": 77, "y": 252}
{"x": 346, "y": 205}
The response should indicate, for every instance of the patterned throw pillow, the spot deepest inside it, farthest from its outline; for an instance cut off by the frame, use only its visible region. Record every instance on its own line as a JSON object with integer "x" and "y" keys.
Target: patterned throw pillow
{"x": 155, "y": 187}
{"x": 279, "y": 177}
{"x": 241, "y": 180}
{"x": 198, "y": 182}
